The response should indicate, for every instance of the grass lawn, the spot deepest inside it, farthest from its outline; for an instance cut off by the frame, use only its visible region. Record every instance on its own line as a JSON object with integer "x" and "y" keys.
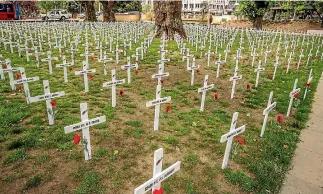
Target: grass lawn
{"x": 38, "y": 158}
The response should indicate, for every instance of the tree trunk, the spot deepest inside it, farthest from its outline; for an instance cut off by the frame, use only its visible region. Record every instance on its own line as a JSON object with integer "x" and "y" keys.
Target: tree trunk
{"x": 108, "y": 13}
{"x": 257, "y": 23}
{"x": 89, "y": 11}
{"x": 168, "y": 18}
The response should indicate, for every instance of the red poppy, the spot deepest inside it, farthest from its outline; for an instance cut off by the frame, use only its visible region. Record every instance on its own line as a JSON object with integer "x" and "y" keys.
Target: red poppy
{"x": 77, "y": 139}
{"x": 272, "y": 55}
{"x": 62, "y": 51}
{"x": 215, "y": 96}
{"x": 121, "y": 53}
{"x": 308, "y": 84}
{"x": 240, "y": 140}
{"x": 213, "y": 57}
{"x": 249, "y": 86}
{"x": 121, "y": 92}
{"x": 35, "y": 58}
{"x": 168, "y": 108}
{"x": 159, "y": 191}
{"x": 285, "y": 68}
{"x": 92, "y": 58}
{"x": 316, "y": 57}
{"x": 280, "y": 119}
{"x": 53, "y": 103}
{"x": 296, "y": 64}
{"x": 137, "y": 61}
{"x": 54, "y": 62}
{"x": 161, "y": 81}
{"x": 29, "y": 51}
{"x": 243, "y": 61}
{"x": 136, "y": 71}
{"x": 224, "y": 65}
{"x": 297, "y": 95}
{"x": 269, "y": 75}
{"x": 70, "y": 68}
{"x": 91, "y": 77}
{"x": 4, "y": 66}
{"x": 198, "y": 70}
{"x": 18, "y": 76}
{"x": 19, "y": 88}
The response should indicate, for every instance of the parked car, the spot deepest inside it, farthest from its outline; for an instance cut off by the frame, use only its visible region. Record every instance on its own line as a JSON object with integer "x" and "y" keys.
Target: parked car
{"x": 58, "y": 14}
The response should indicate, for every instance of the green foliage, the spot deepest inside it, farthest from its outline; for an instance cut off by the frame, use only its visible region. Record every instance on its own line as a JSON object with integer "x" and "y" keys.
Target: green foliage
{"x": 91, "y": 184}
{"x": 33, "y": 182}
{"x": 253, "y": 9}
{"x": 126, "y": 6}
{"x": 46, "y": 6}
{"x": 16, "y": 155}
{"x": 239, "y": 178}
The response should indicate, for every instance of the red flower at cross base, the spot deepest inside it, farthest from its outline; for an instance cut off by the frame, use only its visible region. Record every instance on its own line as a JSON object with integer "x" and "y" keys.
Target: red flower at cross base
{"x": 121, "y": 92}
{"x": 168, "y": 108}
{"x": 136, "y": 71}
{"x": 249, "y": 86}
{"x": 308, "y": 84}
{"x": 297, "y": 95}
{"x": 215, "y": 96}
{"x": 161, "y": 81}
{"x": 198, "y": 71}
{"x": 240, "y": 140}
{"x": 53, "y": 103}
{"x": 18, "y": 76}
{"x": 4, "y": 66}
{"x": 91, "y": 77}
{"x": 280, "y": 119}
{"x": 269, "y": 75}
{"x": 285, "y": 68}
{"x": 70, "y": 68}
{"x": 159, "y": 191}
{"x": 77, "y": 139}
{"x": 19, "y": 88}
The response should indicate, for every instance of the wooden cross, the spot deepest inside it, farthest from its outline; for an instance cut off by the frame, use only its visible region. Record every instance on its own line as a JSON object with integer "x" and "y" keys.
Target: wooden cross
{"x": 48, "y": 97}
{"x": 308, "y": 83}
{"x": 105, "y": 60}
{"x": 157, "y": 103}
{"x": 64, "y": 65}
{"x": 229, "y": 138}
{"x": 234, "y": 80}
{"x": 160, "y": 73}
{"x": 291, "y": 95}
{"x": 85, "y": 124}
{"x": 193, "y": 68}
{"x": 203, "y": 90}
{"x": 158, "y": 175}
{"x": 49, "y": 59}
{"x": 270, "y": 106}
{"x": 113, "y": 85}
{"x": 208, "y": 54}
{"x": 128, "y": 67}
{"x": 24, "y": 80}
{"x": 9, "y": 70}
{"x": 258, "y": 70}
{"x": 85, "y": 71}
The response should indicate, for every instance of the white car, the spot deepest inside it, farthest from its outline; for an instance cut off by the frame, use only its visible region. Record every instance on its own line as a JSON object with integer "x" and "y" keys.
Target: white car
{"x": 58, "y": 14}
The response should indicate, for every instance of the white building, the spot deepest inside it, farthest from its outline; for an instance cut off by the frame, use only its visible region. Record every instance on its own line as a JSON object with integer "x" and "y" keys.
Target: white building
{"x": 195, "y": 6}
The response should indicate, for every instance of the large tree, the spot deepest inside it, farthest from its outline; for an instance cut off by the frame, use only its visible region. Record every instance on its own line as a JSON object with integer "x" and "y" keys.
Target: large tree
{"x": 168, "y": 18}
{"x": 254, "y": 11}
{"x": 108, "y": 11}
{"x": 317, "y": 6}
{"x": 89, "y": 11}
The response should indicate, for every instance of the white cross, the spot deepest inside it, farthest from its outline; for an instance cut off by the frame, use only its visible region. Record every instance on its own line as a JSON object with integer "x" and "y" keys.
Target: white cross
{"x": 270, "y": 106}
{"x": 266, "y": 54}
{"x": 49, "y": 59}
{"x": 276, "y": 66}
{"x": 219, "y": 62}
{"x": 128, "y": 67}
{"x": 300, "y": 59}
{"x": 24, "y": 80}
{"x": 254, "y": 55}
{"x": 85, "y": 71}
{"x": 291, "y": 95}
{"x": 72, "y": 50}
{"x": 160, "y": 73}
{"x": 309, "y": 57}
{"x": 193, "y": 68}
{"x": 158, "y": 175}
{"x": 113, "y": 85}
{"x": 229, "y": 138}
{"x": 234, "y": 80}
{"x": 258, "y": 70}
{"x": 136, "y": 55}
{"x": 48, "y": 97}
{"x": 208, "y": 54}
{"x": 105, "y": 60}
{"x": 309, "y": 80}
{"x": 203, "y": 90}
{"x": 187, "y": 57}
{"x": 157, "y": 103}
{"x": 84, "y": 125}
{"x": 117, "y": 54}
{"x": 64, "y": 65}
{"x": 289, "y": 61}
{"x": 37, "y": 54}
{"x": 86, "y": 55}
{"x": 9, "y": 70}
{"x": 59, "y": 49}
